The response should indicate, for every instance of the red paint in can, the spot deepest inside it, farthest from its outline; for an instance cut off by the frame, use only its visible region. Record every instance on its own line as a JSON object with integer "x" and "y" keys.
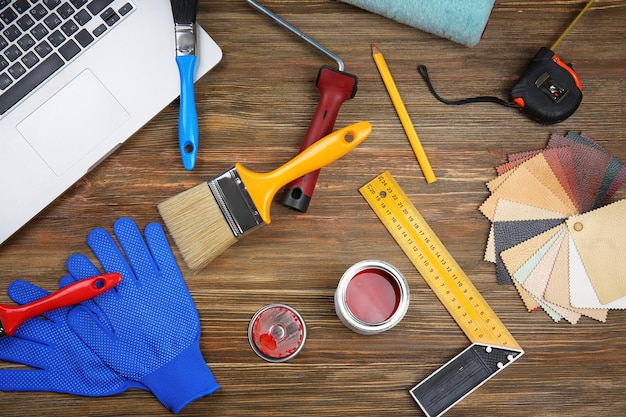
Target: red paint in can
{"x": 373, "y": 295}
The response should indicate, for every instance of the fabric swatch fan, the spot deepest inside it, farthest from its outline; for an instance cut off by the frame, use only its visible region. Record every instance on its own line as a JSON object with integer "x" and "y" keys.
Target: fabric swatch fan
{"x": 555, "y": 232}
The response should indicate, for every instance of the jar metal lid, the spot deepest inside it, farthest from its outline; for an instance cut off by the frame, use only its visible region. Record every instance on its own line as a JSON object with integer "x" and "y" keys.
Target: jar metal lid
{"x": 276, "y": 332}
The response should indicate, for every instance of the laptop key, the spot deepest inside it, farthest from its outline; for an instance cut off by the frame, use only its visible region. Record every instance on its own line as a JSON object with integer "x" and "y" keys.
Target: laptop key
{"x": 125, "y": 9}
{"x": 39, "y": 32}
{"x": 21, "y": 6}
{"x": 52, "y": 21}
{"x": 78, "y": 3}
{"x": 96, "y": 6}
{"x": 82, "y": 17}
{"x": 51, "y": 4}
{"x": 69, "y": 50}
{"x": 26, "y": 42}
{"x": 56, "y": 38}
{"x": 5, "y": 81}
{"x": 30, "y": 59}
{"x": 99, "y": 30}
{"x": 43, "y": 49}
{"x": 69, "y": 28}
{"x": 3, "y": 43}
{"x": 13, "y": 53}
{"x": 38, "y": 12}
{"x": 12, "y": 33}
{"x": 3, "y": 63}
{"x": 31, "y": 80}
{"x": 109, "y": 16}
{"x": 84, "y": 38}
{"x": 8, "y": 15}
{"x": 17, "y": 70}
{"x": 25, "y": 22}
{"x": 65, "y": 10}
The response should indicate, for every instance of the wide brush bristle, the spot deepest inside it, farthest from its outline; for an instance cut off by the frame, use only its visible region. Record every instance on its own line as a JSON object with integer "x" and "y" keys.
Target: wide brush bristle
{"x": 184, "y": 11}
{"x": 197, "y": 225}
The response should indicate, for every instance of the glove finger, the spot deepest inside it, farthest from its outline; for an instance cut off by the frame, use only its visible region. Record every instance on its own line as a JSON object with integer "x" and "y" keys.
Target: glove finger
{"x": 111, "y": 258}
{"x": 24, "y": 292}
{"x": 20, "y": 350}
{"x": 132, "y": 242}
{"x": 160, "y": 248}
{"x": 23, "y": 380}
{"x": 80, "y": 267}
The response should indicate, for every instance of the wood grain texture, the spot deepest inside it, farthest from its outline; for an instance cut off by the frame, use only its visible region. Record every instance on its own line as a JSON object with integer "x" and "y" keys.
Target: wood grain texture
{"x": 254, "y": 108}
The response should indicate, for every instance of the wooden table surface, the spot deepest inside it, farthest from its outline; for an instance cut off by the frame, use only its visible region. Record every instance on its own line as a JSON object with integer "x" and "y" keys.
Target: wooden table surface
{"x": 254, "y": 108}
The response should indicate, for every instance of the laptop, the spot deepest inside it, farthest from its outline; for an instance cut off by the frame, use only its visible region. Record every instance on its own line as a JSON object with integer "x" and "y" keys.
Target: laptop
{"x": 108, "y": 68}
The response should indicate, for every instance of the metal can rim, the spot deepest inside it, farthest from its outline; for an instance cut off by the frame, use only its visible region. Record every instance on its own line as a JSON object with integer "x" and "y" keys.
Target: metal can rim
{"x": 354, "y": 323}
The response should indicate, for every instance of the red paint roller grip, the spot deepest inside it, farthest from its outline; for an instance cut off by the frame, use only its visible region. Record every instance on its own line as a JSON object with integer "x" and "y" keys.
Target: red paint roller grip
{"x": 335, "y": 88}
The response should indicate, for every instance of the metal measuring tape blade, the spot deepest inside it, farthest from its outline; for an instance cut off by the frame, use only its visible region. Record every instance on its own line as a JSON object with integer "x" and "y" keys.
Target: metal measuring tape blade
{"x": 493, "y": 347}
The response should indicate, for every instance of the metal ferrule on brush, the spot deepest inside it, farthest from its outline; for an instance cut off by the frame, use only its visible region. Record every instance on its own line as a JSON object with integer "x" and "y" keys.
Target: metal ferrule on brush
{"x": 234, "y": 200}
{"x": 185, "y": 39}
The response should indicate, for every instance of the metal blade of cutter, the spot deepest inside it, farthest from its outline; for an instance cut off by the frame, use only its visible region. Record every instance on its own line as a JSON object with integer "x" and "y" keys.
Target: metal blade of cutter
{"x": 335, "y": 87}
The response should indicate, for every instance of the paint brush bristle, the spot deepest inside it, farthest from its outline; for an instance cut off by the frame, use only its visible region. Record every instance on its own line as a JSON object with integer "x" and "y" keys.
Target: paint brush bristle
{"x": 184, "y": 11}
{"x": 197, "y": 225}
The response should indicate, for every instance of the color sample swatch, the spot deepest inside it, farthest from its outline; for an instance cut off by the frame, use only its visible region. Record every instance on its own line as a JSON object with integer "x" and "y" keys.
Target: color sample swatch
{"x": 555, "y": 232}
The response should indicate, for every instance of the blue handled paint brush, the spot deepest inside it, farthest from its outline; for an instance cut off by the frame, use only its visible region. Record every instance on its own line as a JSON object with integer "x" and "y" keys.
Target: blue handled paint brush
{"x": 184, "y": 13}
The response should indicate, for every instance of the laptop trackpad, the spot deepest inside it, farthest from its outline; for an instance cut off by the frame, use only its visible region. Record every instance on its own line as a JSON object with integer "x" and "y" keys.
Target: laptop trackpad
{"x": 73, "y": 122}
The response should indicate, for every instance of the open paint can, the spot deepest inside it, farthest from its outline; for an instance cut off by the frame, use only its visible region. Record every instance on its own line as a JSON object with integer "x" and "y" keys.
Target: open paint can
{"x": 276, "y": 333}
{"x": 372, "y": 296}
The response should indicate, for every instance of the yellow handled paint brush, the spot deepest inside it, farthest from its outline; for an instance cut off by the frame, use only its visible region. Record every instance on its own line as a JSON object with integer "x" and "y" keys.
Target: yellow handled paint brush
{"x": 208, "y": 218}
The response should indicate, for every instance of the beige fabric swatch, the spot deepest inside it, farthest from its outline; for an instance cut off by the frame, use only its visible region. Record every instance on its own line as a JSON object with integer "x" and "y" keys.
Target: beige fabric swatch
{"x": 540, "y": 168}
{"x": 537, "y": 280}
{"x": 516, "y": 256}
{"x": 601, "y": 243}
{"x": 581, "y": 292}
{"x": 523, "y": 187}
{"x": 557, "y": 289}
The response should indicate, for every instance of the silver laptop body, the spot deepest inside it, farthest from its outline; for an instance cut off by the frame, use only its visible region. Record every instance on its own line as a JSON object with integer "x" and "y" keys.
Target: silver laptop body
{"x": 81, "y": 114}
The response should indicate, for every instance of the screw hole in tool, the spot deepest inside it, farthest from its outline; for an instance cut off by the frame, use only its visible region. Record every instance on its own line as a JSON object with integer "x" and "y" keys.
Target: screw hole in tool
{"x": 349, "y": 137}
{"x": 99, "y": 283}
{"x": 296, "y": 193}
{"x": 188, "y": 148}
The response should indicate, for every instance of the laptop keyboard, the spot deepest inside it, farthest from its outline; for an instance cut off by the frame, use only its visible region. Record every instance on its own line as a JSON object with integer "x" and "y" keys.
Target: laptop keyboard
{"x": 39, "y": 37}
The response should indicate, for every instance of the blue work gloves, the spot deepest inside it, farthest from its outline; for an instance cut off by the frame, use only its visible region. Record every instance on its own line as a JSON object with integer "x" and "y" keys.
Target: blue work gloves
{"x": 146, "y": 330}
{"x": 61, "y": 362}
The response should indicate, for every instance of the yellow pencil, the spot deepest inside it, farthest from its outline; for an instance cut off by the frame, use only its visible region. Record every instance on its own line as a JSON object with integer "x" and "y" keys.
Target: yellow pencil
{"x": 407, "y": 124}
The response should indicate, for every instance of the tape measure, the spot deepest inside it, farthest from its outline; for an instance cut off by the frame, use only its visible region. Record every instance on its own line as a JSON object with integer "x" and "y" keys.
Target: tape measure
{"x": 493, "y": 347}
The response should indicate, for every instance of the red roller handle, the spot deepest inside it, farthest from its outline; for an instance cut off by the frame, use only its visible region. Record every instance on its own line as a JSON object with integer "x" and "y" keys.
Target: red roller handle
{"x": 13, "y": 316}
{"x": 335, "y": 88}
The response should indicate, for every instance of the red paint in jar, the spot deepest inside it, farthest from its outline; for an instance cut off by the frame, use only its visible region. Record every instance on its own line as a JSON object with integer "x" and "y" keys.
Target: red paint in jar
{"x": 373, "y": 296}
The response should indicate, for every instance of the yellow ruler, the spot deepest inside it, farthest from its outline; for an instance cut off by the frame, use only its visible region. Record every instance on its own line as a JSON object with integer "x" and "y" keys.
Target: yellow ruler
{"x": 493, "y": 347}
{"x": 438, "y": 268}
